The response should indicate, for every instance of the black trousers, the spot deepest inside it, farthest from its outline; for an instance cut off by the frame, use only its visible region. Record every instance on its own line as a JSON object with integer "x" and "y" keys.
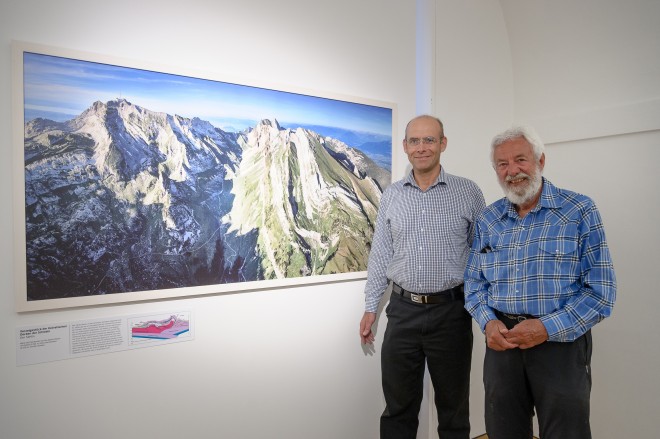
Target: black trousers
{"x": 440, "y": 336}
{"x": 554, "y": 378}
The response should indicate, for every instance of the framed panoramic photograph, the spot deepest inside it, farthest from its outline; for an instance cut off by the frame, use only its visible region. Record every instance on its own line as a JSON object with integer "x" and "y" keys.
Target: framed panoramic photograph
{"x": 134, "y": 182}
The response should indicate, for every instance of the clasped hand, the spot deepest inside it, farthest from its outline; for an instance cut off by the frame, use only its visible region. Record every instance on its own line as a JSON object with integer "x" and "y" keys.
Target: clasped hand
{"x": 524, "y": 335}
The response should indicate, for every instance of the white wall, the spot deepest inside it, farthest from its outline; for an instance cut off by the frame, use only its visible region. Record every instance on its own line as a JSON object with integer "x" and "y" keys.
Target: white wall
{"x": 585, "y": 69}
{"x": 587, "y": 75}
{"x": 285, "y": 363}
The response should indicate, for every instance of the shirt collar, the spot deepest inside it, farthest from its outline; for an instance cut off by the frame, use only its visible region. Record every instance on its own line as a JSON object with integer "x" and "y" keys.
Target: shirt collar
{"x": 410, "y": 179}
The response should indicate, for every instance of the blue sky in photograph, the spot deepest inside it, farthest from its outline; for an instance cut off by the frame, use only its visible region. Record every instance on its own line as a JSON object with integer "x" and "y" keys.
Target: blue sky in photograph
{"x": 61, "y": 88}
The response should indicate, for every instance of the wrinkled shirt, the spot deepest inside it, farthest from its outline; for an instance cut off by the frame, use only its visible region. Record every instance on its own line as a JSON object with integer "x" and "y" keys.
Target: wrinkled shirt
{"x": 422, "y": 238}
{"x": 554, "y": 264}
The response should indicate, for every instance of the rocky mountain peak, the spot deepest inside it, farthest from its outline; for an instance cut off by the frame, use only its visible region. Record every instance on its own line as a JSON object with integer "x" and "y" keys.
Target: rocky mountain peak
{"x": 122, "y": 198}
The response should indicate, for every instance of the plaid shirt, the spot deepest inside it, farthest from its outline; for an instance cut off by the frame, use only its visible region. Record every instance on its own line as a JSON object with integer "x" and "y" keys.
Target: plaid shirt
{"x": 422, "y": 238}
{"x": 553, "y": 264}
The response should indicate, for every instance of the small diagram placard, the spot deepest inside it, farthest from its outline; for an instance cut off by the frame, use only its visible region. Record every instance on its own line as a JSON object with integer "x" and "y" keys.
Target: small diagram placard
{"x": 159, "y": 329}
{"x": 52, "y": 342}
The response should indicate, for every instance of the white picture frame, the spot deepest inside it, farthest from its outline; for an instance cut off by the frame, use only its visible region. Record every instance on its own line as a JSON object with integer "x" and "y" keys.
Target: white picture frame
{"x": 53, "y": 87}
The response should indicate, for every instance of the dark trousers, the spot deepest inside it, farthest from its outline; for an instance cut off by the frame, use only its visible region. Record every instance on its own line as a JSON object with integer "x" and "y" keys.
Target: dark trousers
{"x": 554, "y": 378}
{"x": 440, "y": 336}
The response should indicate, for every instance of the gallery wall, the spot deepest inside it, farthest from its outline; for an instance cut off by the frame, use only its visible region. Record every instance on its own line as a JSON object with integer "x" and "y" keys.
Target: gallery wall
{"x": 586, "y": 74}
{"x": 287, "y": 362}
{"x": 282, "y": 363}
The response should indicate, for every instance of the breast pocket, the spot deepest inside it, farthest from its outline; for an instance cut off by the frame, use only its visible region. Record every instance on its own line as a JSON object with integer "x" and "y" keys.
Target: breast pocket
{"x": 559, "y": 256}
{"x": 495, "y": 264}
{"x": 488, "y": 262}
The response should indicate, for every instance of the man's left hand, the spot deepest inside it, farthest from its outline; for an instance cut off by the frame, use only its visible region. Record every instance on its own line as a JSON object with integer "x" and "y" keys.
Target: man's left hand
{"x": 527, "y": 334}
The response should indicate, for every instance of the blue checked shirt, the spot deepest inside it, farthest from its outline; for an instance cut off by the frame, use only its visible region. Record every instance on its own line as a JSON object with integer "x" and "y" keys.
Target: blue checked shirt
{"x": 422, "y": 238}
{"x": 553, "y": 264}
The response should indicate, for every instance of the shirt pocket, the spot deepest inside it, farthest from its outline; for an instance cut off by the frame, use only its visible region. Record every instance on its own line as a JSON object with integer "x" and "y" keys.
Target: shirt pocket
{"x": 559, "y": 257}
{"x": 493, "y": 262}
{"x": 489, "y": 266}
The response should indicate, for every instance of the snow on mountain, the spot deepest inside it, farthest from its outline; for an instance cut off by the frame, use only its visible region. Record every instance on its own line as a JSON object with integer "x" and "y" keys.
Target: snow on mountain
{"x": 122, "y": 199}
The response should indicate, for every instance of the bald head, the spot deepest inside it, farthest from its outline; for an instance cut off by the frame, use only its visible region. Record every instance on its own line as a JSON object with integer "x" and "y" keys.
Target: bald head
{"x": 441, "y": 128}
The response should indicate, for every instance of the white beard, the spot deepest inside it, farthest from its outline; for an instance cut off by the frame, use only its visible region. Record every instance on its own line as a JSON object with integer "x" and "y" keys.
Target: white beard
{"x": 522, "y": 195}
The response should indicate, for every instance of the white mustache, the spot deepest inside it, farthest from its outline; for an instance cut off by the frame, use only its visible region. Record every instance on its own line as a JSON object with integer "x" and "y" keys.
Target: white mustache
{"x": 508, "y": 178}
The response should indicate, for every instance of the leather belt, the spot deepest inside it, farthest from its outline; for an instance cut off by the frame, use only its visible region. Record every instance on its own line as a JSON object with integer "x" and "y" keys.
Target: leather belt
{"x": 449, "y": 295}
{"x": 514, "y": 319}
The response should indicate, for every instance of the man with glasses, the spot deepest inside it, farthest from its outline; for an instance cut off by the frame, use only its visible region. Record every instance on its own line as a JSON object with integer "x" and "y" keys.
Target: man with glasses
{"x": 421, "y": 242}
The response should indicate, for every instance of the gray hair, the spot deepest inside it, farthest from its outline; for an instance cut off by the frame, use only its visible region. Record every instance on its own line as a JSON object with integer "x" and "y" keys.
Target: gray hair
{"x": 524, "y": 131}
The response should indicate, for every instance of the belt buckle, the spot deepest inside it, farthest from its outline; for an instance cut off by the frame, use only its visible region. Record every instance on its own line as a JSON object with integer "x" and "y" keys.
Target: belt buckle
{"x": 518, "y": 318}
{"x": 417, "y": 298}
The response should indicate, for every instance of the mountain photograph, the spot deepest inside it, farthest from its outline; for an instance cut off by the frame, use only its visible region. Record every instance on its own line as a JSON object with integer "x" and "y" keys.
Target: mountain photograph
{"x": 121, "y": 197}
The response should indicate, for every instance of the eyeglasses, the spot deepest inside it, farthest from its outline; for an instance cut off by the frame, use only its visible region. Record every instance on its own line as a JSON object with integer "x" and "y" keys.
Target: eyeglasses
{"x": 416, "y": 141}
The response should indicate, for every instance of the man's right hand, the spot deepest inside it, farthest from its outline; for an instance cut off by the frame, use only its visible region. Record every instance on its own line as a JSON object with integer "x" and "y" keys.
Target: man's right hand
{"x": 495, "y": 336}
{"x": 366, "y": 335}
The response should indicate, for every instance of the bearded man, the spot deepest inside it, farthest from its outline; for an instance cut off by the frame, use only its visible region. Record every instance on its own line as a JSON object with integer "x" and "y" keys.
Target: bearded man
{"x": 539, "y": 276}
